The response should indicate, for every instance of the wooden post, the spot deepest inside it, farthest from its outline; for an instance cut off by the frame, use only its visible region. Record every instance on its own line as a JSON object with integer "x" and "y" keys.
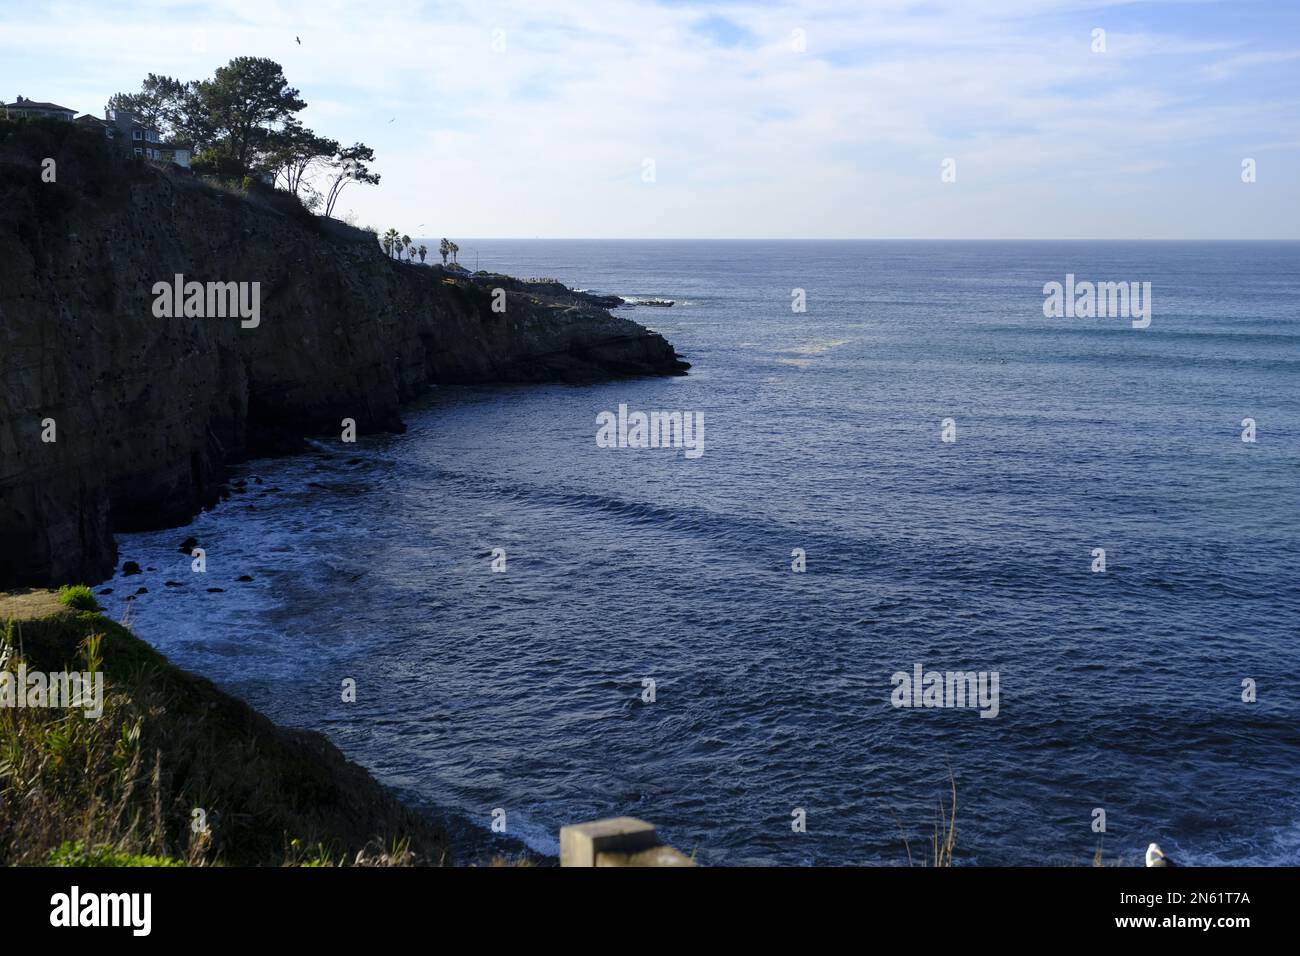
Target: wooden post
{"x": 620, "y": 841}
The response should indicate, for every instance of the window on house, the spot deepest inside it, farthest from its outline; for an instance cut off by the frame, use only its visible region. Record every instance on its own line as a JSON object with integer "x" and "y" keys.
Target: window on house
{"x": 135, "y": 134}
{"x": 139, "y": 151}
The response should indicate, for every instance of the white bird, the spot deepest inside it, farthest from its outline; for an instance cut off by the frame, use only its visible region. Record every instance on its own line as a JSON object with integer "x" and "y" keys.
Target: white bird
{"x": 1156, "y": 856}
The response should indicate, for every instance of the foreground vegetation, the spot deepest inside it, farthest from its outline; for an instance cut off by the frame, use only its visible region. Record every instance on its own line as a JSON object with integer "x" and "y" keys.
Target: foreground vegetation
{"x": 174, "y": 771}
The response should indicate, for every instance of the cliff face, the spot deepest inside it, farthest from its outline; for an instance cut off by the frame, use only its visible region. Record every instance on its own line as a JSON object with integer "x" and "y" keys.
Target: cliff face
{"x": 147, "y": 409}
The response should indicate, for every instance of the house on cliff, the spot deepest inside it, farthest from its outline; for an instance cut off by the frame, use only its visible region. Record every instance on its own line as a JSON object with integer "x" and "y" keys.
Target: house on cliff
{"x": 130, "y": 135}
{"x": 106, "y": 129}
{"x": 23, "y": 108}
{"x": 178, "y": 153}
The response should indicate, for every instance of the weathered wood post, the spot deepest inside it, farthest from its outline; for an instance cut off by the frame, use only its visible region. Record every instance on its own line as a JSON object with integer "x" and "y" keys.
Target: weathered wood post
{"x": 619, "y": 841}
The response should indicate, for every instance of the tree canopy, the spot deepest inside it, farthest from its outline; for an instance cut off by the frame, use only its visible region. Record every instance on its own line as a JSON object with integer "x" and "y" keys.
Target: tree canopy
{"x": 248, "y": 104}
{"x": 161, "y": 103}
{"x": 244, "y": 121}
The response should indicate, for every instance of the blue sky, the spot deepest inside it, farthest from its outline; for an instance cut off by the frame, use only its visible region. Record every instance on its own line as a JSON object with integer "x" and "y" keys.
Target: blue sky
{"x": 759, "y": 119}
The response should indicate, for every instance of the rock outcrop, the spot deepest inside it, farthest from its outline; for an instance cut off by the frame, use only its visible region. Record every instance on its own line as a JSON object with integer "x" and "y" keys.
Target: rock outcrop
{"x": 144, "y": 411}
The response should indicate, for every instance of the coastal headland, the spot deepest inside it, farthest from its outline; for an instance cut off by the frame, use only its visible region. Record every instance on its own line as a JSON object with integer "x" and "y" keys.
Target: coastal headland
{"x": 114, "y": 417}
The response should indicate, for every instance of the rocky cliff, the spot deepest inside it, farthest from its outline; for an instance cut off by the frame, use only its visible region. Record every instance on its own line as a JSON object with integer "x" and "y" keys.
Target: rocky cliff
{"x": 144, "y": 410}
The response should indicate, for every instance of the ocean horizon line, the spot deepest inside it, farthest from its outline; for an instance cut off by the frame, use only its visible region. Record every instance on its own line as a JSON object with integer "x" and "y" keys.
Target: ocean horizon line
{"x": 847, "y": 240}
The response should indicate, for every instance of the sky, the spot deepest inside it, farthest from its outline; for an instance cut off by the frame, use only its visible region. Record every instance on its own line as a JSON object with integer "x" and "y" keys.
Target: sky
{"x": 743, "y": 118}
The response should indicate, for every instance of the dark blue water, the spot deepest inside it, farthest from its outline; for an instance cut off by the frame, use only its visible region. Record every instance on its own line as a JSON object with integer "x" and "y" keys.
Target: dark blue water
{"x": 522, "y": 690}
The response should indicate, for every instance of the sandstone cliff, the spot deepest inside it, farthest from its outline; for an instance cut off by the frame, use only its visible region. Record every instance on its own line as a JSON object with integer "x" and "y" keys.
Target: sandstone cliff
{"x": 147, "y": 410}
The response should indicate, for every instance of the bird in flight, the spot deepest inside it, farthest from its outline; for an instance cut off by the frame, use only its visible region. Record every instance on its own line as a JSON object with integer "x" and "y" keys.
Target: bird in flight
{"x": 1156, "y": 856}
{"x": 299, "y": 39}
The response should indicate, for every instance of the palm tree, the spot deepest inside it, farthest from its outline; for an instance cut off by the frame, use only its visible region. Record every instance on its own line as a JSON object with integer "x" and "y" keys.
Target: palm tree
{"x": 454, "y": 249}
{"x": 407, "y": 245}
{"x": 390, "y": 241}
{"x": 444, "y": 248}
{"x": 424, "y": 251}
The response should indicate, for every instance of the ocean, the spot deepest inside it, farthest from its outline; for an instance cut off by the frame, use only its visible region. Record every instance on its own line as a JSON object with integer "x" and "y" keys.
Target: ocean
{"x": 649, "y": 648}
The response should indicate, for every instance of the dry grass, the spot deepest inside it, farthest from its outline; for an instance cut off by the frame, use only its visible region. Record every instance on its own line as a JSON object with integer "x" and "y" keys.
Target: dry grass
{"x": 943, "y": 839}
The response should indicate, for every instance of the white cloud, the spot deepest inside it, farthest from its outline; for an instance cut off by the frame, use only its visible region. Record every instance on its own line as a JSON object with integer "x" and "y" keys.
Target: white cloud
{"x": 548, "y": 136}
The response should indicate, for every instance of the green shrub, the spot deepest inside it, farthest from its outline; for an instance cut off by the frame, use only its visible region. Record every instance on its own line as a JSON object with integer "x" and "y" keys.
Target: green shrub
{"x": 79, "y": 597}
{"x": 71, "y": 853}
{"x": 216, "y": 162}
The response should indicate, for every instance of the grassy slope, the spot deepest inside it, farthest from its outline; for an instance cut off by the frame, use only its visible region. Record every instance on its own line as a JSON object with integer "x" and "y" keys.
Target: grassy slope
{"x": 122, "y": 788}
